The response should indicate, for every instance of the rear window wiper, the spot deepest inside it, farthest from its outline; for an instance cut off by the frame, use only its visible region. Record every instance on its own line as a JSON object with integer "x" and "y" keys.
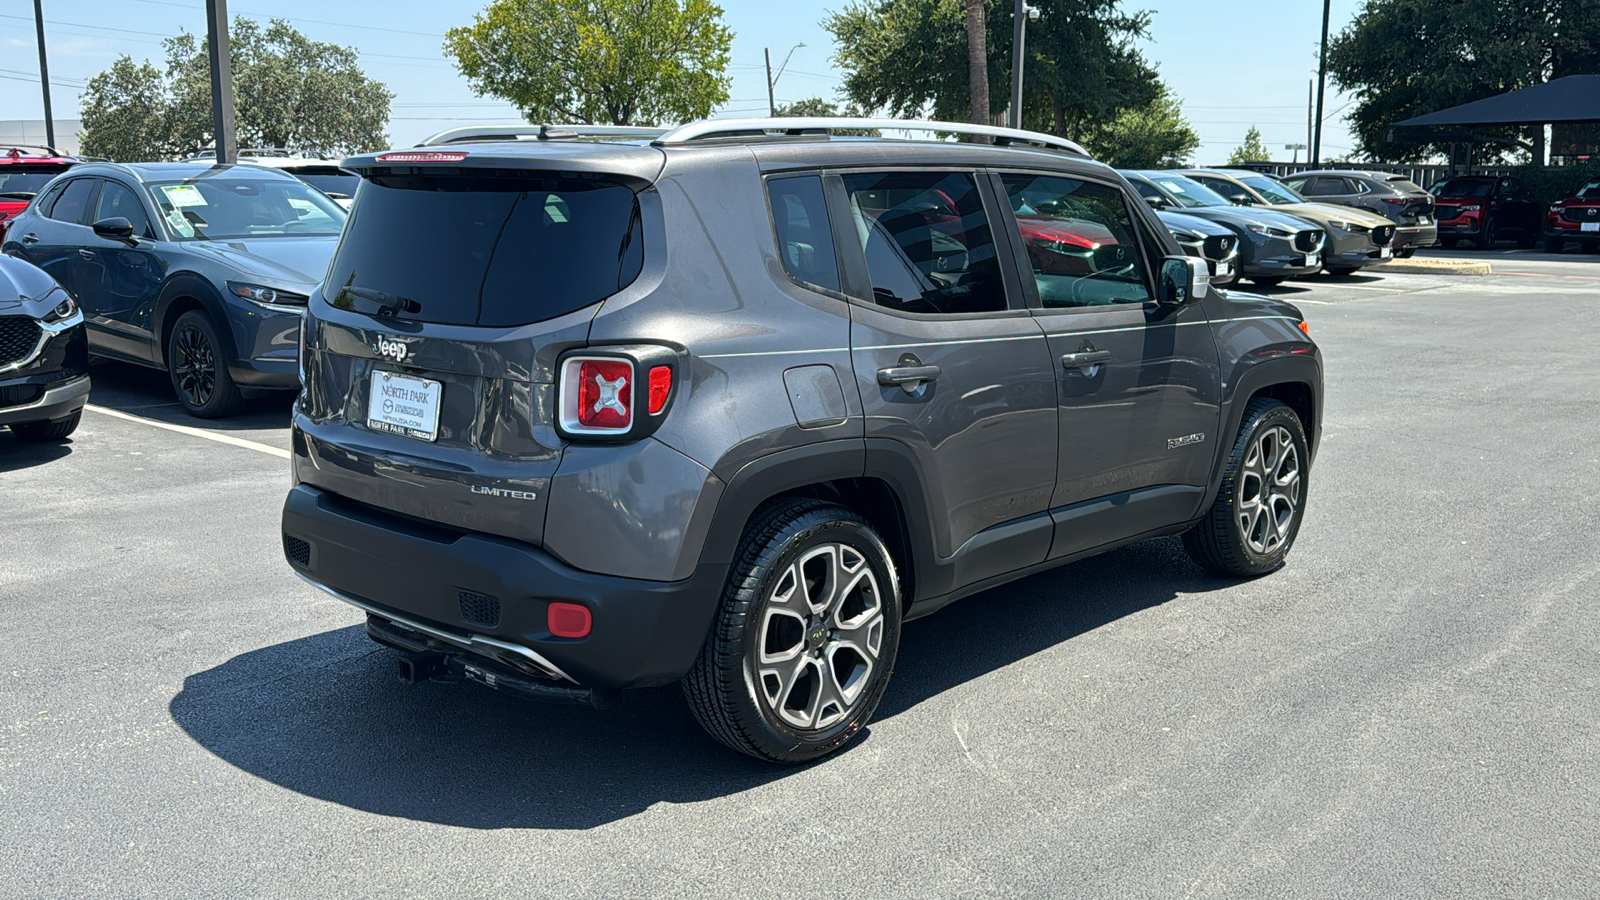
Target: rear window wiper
{"x": 388, "y": 304}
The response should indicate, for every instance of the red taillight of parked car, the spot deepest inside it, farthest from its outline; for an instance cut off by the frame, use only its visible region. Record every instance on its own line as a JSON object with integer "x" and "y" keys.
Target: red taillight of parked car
{"x": 605, "y": 394}
{"x": 660, "y": 388}
{"x": 569, "y": 620}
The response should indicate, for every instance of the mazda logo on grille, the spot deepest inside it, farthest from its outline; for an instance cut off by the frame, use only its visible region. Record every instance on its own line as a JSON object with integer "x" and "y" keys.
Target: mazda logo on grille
{"x": 1593, "y": 212}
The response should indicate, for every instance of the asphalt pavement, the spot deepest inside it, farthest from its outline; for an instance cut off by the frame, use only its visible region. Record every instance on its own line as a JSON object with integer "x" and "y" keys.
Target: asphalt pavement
{"x": 1407, "y": 709}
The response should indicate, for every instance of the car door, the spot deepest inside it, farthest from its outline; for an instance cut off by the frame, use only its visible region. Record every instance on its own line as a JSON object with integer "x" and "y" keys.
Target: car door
{"x": 949, "y": 363}
{"x": 1521, "y": 212}
{"x": 123, "y": 277}
{"x": 51, "y": 241}
{"x": 1135, "y": 381}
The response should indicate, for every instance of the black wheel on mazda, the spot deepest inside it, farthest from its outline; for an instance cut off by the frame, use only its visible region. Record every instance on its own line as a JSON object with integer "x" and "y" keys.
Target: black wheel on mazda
{"x": 1407, "y": 253}
{"x": 805, "y": 638}
{"x": 1270, "y": 281}
{"x": 198, "y": 368}
{"x": 1489, "y": 236}
{"x": 1253, "y": 522}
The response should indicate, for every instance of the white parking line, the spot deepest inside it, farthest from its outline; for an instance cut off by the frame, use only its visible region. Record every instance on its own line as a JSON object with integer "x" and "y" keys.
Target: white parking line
{"x": 193, "y": 432}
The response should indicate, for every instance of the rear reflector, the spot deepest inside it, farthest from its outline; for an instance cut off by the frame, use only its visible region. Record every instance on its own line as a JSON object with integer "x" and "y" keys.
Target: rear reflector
{"x": 425, "y": 156}
{"x": 569, "y": 620}
{"x": 660, "y": 388}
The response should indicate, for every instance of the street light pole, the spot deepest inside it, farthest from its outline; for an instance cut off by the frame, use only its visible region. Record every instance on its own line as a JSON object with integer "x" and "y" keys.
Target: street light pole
{"x": 227, "y": 140}
{"x": 1019, "y": 39}
{"x": 44, "y": 76}
{"x": 772, "y": 80}
{"x": 1322, "y": 86}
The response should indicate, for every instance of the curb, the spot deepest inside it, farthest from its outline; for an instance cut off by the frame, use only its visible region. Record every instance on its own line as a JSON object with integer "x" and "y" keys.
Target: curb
{"x": 1416, "y": 266}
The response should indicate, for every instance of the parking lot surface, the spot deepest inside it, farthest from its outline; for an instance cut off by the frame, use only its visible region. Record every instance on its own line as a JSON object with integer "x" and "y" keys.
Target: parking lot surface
{"x": 1406, "y": 709}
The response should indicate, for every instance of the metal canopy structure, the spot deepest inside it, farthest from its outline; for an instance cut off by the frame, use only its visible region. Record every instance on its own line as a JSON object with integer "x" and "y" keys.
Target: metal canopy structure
{"x": 1572, "y": 100}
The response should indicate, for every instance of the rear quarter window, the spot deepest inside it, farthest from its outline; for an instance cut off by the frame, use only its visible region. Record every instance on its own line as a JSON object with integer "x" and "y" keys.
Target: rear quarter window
{"x": 486, "y": 250}
{"x": 805, "y": 239}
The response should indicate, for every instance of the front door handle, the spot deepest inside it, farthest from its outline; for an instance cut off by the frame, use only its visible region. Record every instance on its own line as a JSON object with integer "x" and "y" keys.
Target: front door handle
{"x": 908, "y": 377}
{"x": 30, "y": 239}
{"x": 1085, "y": 360}
{"x": 85, "y": 254}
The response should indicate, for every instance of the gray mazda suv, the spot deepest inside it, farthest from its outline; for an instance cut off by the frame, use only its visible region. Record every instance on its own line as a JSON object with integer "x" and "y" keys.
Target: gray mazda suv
{"x": 1394, "y": 197}
{"x": 726, "y": 405}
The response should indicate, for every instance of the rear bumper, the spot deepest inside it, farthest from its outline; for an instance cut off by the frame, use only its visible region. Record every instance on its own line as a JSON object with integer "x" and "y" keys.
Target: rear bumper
{"x": 413, "y": 575}
{"x": 56, "y": 402}
{"x": 1409, "y": 236}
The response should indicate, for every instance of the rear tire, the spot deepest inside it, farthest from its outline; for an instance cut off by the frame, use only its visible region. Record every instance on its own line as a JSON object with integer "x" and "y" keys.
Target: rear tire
{"x": 1252, "y": 525}
{"x": 1489, "y": 236}
{"x": 1407, "y": 253}
{"x": 805, "y": 638}
{"x": 1272, "y": 281}
{"x": 199, "y": 368}
{"x": 1341, "y": 272}
{"x": 42, "y": 432}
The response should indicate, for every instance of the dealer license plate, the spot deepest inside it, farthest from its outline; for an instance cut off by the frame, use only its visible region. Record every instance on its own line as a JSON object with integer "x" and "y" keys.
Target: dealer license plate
{"x": 1423, "y": 220}
{"x": 404, "y": 404}
{"x": 1313, "y": 259}
{"x": 1385, "y": 252}
{"x": 1589, "y": 226}
{"x": 1224, "y": 270}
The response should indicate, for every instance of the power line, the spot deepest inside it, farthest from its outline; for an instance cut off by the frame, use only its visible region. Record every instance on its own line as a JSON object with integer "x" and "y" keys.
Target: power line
{"x": 294, "y": 19}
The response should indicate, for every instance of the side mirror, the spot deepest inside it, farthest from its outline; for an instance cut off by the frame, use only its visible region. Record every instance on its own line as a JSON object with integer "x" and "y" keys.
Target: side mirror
{"x": 1156, "y": 202}
{"x": 117, "y": 228}
{"x": 1184, "y": 280}
{"x": 1241, "y": 200}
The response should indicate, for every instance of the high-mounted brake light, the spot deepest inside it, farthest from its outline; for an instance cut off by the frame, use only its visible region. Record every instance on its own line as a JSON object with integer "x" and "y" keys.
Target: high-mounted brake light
{"x": 424, "y": 156}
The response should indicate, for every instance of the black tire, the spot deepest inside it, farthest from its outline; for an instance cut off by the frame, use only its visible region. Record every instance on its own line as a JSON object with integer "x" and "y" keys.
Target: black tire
{"x": 1449, "y": 243}
{"x": 43, "y": 432}
{"x": 1223, "y": 542}
{"x": 1407, "y": 253}
{"x": 1272, "y": 281}
{"x": 198, "y": 368}
{"x": 1554, "y": 245}
{"x": 752, "y": 710}
{"x": 1341, "y": 272}
{"x": 1489, "y": 236}
{"x": 1591, "y": 248}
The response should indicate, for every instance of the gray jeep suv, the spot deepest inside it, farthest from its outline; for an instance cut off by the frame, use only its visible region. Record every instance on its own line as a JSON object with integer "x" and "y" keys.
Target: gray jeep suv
{"x": 729, "y": 404}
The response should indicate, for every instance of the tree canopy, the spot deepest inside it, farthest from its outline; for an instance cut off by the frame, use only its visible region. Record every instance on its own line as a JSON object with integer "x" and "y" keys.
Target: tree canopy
{"x": 289, "y": 91}
{"x": 1252, "y": 150}
{"x": 816, "y": 107}
{"x": 1404, "y": 58}
{"x": 909, "y": 58}
{"x": 1154, "y": 136}
{"x": 616, "y": 62}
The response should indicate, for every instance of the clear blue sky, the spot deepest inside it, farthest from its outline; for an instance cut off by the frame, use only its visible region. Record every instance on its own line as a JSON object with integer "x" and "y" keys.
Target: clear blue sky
{"x": 1248, "y": 64}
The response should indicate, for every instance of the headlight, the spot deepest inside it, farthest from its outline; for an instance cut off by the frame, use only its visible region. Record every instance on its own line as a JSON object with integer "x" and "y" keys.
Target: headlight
{"x": 1185, "y": 237}
{"x": 1339, "y": 223}
{"x": 1555, "y": 207}
{"x": 1473, "y": 207}
{"x": 62, "y": 311}
{"x": 1269, "y": 230}
{"x": 266, "y": 295}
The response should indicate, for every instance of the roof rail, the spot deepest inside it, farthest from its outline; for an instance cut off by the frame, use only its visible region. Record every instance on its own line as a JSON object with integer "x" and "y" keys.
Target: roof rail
{"x": 471, "y": 133}
{"x": 712, "y": 128}
{"x": 18, "y": 148}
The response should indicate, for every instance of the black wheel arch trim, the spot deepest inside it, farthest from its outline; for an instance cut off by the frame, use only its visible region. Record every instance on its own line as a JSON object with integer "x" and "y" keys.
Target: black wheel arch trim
{"x": 1284, "y": 368}
{"x": 189, "y": 285}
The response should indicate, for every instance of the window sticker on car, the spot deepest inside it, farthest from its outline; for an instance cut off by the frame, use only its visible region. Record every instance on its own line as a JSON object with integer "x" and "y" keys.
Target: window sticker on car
{"x": 183, "y": 194}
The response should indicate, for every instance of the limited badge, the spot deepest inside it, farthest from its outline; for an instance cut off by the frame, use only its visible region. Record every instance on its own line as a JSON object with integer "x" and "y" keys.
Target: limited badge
{"x": 1186, "y": 440}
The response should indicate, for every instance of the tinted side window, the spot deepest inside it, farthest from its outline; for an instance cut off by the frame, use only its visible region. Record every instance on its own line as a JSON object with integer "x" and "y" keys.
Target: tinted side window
{"x": 50, "y": 199}
{"x": 805, "y": 241}
{"x": 486, "y": 250}
{"x": 117, "y": 200}
{"x": 73, "y": 204}
{"x": 1080, "y": 239}
{"x": 1312, "y": 187}
{"x": 927, "y": 242}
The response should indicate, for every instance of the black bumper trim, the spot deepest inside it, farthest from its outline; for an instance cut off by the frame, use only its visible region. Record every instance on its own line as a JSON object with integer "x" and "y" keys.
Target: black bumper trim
{"x": 58, "y": 402}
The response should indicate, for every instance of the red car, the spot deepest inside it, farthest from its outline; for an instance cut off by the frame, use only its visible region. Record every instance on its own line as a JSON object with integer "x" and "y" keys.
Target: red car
{"x": 24, "y": 171}
{"x": 1576, "y": 218}
{"x": 1485, "y": 209}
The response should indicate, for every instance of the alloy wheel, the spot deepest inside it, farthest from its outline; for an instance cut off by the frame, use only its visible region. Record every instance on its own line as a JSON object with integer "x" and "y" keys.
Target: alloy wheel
{"x": 820, "y": 638}
{"x": 1269, "y": 490}
{"x": 194, "y": 367}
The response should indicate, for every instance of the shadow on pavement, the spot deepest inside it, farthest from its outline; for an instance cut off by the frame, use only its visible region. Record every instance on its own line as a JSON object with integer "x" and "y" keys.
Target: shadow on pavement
{"x": 325, "y": 716}
{"x": 17, "y": 455}
{"x": 147, "y": 393}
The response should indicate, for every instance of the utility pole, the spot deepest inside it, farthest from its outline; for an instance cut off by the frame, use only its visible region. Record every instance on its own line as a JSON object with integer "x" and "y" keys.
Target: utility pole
{"x": 1311, "y": 92}
{"x": 227, "y": 140}
{"x": 44, "y": 76}
{"x": 1019, "y": 38}
{"x": 1322, "y": 86}
{"x": 772, "y": 80}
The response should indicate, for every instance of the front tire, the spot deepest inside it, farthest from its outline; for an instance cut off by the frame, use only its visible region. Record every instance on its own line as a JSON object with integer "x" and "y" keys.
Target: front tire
{"x": 1407, "y": 253}
{"x": 46, "y": 431}
{"x": 1272, "y": 281}
{"x": 805, "y": 638}
{"x": 1341, "y": 272}
{"x": 1253, "y": 522}
{"x": 199, "y": 369}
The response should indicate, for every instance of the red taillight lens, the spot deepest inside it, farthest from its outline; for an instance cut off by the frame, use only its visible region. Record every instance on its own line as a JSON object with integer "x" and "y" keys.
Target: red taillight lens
{"x": 660, "y": 388}
{"x": 605, "y": 394}
{"x": 569, "y": 620}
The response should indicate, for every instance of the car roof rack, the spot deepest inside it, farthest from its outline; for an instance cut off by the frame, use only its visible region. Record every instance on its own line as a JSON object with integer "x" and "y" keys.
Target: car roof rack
{"x": 16, "y": 150}
{"x": 808, "y": 125}
{"x": 474, "y": 133}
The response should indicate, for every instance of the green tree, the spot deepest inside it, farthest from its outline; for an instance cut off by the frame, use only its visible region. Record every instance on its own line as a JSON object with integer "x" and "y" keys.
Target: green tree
{"x": 1154, "y": 136}
{"x": 616, "y": 62}
{"x": 816, "y": 107}
{"x": 1405, "y": 58}
{"x": 1252, "y": 150}
{"x": 289, "y": 91}
{"x": 909, "y": 58}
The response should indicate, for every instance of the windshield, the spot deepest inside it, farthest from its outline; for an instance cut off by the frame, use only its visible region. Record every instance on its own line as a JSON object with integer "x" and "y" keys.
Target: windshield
{"x": 26, "y": 180}
{"x": 211, "y": 209}
{"x": 1274, "y": 191}
{"x": 1463, "y": 187}
{"x": 1590, "y": 191}
{"x": 1188, "y": 193}
{"x": 329, "y": 180}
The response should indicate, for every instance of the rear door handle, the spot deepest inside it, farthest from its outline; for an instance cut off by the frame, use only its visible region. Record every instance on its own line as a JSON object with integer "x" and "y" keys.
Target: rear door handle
{"x": 85, "y": 254}
{"x": 30, "y": 239}
{"x": 908, "y": 377}
{"x": 1085, "y": 360}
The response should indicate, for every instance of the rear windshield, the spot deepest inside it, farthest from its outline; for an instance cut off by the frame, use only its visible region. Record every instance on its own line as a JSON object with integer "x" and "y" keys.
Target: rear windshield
{"x": 22, "y": 181}
{"x": 328, "y": 179}
{"x": 1463, "y": 187}
{"x": 1405, "y": 186}
{"x": 485, "y": 250}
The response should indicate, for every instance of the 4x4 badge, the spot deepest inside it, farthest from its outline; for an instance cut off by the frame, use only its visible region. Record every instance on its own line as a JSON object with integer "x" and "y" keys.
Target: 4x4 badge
{"x": 1186, "y": 440}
